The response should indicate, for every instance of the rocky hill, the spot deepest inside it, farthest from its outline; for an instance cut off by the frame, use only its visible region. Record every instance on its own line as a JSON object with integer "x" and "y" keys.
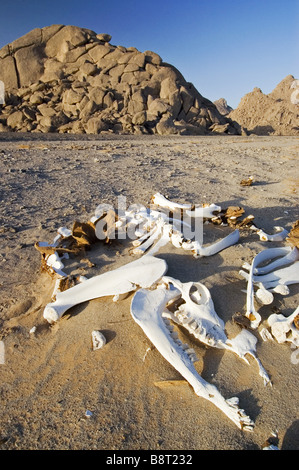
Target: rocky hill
{"x": 70, "y": 79}
{"x": 222, "y": 106}
{"x": 276, "y": 113}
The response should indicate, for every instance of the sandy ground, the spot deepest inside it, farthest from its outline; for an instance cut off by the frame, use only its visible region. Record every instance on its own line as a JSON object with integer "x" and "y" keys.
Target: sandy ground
{"x": 50, "y": 378}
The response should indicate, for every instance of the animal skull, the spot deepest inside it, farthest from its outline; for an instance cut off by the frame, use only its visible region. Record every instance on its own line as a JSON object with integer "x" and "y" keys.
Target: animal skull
{"x": 147, "y": 308}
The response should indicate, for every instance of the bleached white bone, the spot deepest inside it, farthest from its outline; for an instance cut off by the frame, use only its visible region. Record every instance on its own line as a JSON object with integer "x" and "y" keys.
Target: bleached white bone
{"x": 149, "y": 241}
{"x": 245, "y": 343}
{"x": 55, "y": 263}
{"x": 205, "y": 212}
{"x": 98, "y": 340}
{"x": 284, "y": 276}
{"x": 140, "y": 273}
{"x": 146, "y": 308}
{"x": 279, "y": 235}
{"x": 161, "y": 201}
{"x": 197, "y": 314}
{"x": 283, "y": 328}
{"x": 214, "y": 248}
{"x": 277, "y": 280}
{"x": 284, "y": 256}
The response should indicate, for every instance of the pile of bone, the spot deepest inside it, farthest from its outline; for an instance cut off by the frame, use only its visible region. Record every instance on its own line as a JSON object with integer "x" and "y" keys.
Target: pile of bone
{"x": 154, "y": 305}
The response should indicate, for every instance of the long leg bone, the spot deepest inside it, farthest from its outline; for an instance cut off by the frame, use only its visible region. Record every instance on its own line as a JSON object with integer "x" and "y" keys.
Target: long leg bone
{"x": 143, "y": 272}
{"x": 146, "y": 308}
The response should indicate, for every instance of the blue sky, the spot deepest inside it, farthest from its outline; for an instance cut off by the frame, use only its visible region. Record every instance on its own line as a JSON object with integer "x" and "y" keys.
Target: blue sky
{"x": 225, "y": 48}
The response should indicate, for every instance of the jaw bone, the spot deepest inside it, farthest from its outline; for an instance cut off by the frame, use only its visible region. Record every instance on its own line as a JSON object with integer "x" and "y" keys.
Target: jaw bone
{"x": 268, "y": 278}
{"x": 143, "y": 272}
{"x": 146, "y": 308}
{"x": 197, "y": 314}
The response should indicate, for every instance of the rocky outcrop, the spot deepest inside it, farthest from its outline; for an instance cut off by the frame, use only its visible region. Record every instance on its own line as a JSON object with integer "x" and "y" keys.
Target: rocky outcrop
{"x": 69, "y": 79}
{"x": 276, "y": 113}
{"x": 223, "y": 107}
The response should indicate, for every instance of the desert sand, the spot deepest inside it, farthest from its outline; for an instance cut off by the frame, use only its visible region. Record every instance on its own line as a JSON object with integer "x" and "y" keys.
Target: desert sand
{"x": 56, "y": 392}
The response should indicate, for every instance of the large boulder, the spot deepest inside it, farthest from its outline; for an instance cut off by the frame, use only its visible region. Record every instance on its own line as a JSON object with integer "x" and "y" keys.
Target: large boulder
{"x": 70, "y": 79}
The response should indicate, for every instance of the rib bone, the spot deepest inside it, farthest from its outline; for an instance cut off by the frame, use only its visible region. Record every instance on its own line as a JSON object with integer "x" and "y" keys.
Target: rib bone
{"x": 277, "y": 280}
{"x": 146, "y": 308}
{"x": 143, "y": 272}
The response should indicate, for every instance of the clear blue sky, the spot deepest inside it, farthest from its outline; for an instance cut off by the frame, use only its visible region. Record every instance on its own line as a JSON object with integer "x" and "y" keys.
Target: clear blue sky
{"x": 224, "y": 47}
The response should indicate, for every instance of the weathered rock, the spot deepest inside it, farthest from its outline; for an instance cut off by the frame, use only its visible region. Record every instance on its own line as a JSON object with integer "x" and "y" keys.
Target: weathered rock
{"x": 104, "y": 37}
{"x": 29, "y": 64}
{"x": 36, "y": 98}
{"x": 95, "y": 125}
{"x": 70, "y": 79}
{"x": 222, "y": 106}
{"x": 166, "y": 126}
{"x": 16, "y": 120}
{"x": 272, "y": 114}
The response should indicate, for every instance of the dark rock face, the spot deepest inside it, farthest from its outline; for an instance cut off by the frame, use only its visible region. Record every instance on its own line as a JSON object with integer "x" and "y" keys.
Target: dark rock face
{"x": 223, "y": 107}
{"x": 70, "y": 79}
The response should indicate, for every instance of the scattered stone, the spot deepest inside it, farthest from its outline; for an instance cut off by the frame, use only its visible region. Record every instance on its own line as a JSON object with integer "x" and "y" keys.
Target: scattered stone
{"x": 98, "y": 340}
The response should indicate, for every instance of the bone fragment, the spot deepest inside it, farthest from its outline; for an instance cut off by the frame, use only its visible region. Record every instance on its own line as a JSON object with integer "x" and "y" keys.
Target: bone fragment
{"x": 284, "y": 328}
{"x": 98, "y": 340}
{"x": 143, "y": 272}
{"x": 277, "y": 280}
{"x": 214, "y": 248}
{"x": 205, "y": 212}
{"x": 245, "y": 343}
{"x": 279, "y": 235}
{"x": 146, "y": 308}
{"x": 162, "y": 201}
{"x": 247, "y": 182}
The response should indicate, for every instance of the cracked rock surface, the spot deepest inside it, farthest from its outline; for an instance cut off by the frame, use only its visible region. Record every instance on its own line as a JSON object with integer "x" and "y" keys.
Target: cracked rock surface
{"x": 68, "y": 79}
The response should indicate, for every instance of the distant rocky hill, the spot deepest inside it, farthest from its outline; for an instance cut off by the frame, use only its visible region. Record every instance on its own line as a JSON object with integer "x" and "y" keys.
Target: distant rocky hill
{"x": 70, "y": 79}
{"x": 275, "y": 113}
{"x": 222, "y": 106}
